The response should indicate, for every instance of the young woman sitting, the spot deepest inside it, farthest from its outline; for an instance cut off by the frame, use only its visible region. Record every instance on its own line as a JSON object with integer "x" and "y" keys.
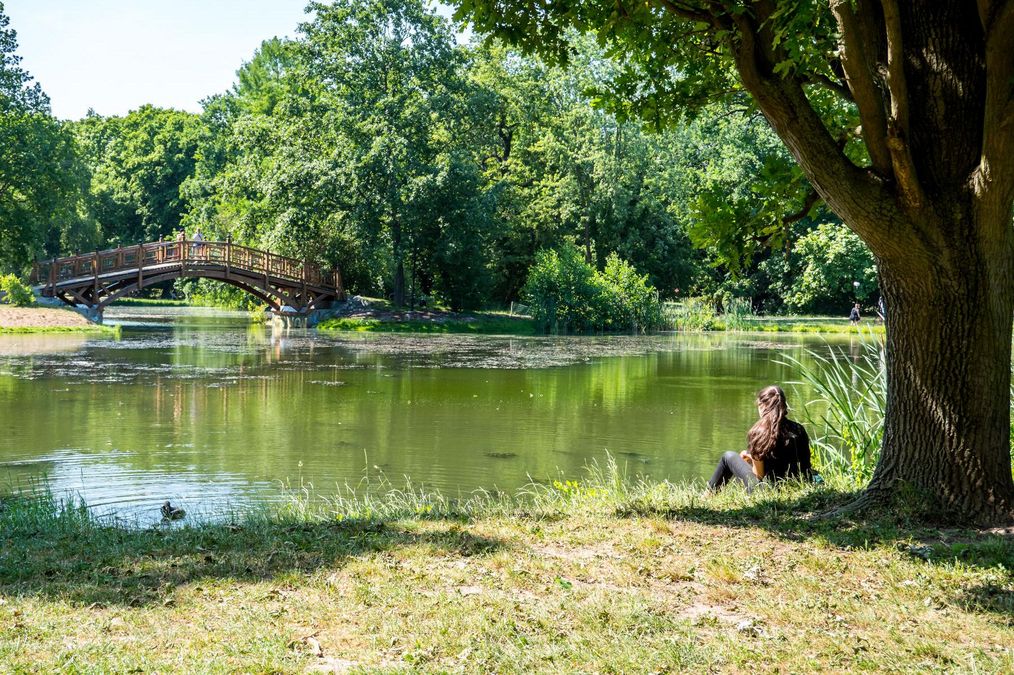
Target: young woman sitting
{"x": 776, "y": 447}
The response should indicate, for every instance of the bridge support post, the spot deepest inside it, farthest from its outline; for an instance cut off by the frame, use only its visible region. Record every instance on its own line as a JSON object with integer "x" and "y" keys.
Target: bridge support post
{"x": 95, "y": 278}
{"x": 140, "y": 265}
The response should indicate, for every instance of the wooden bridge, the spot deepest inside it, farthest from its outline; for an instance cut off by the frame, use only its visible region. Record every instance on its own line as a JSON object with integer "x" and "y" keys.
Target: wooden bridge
{"x": 92, "y": 281}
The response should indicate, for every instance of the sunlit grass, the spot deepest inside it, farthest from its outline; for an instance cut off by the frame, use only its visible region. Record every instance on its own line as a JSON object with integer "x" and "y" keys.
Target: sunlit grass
{"x": 596, "y": 572}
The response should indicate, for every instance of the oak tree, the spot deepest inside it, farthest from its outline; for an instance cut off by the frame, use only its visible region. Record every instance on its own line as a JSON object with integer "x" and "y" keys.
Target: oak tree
{"x": 901, "y": 115}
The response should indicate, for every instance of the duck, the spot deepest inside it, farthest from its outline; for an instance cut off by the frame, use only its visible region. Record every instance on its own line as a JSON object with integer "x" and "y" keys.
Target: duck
{"x": 170, "y": 512}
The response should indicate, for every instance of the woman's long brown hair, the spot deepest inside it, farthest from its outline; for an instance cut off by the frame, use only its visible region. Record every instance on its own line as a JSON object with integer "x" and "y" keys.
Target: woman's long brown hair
{"x": 764, "y": 436}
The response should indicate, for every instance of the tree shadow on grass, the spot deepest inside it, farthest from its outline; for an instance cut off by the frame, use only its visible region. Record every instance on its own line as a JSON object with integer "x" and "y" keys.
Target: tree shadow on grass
{"x": 83, "y": 562}
{"x": 908, "y": 524}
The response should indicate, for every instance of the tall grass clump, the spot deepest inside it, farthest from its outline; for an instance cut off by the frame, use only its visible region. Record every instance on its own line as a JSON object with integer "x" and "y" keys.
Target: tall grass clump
{"x": 693, "y": 314}
{"x": 849, "y": 407}
{"x": 738, "y": 312}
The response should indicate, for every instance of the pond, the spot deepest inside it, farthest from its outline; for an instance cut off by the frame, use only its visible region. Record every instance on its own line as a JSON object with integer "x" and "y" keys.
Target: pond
{"x": 217, "y": 413}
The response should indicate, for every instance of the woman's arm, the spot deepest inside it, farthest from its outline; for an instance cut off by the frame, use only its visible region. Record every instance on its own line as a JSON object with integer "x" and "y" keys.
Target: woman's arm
{"x": 756, "y": 464}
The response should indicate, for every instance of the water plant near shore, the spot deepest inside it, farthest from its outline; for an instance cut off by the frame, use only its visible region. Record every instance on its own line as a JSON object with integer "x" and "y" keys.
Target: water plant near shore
{"x": 846, "y": 413}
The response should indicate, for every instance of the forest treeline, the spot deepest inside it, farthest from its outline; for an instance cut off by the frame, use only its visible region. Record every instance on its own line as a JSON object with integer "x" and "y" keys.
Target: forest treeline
{"x": 422, "y": 167}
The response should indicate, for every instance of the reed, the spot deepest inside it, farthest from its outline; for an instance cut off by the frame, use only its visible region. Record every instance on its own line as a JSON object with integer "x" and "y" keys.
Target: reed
{"x": 848, "y": 408}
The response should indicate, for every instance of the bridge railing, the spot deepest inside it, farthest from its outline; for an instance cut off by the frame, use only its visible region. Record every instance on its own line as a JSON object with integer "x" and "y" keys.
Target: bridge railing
{"x": 186, "y": 253}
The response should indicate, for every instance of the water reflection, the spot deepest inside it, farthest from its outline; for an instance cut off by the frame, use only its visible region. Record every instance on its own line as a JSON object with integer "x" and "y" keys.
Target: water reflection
{"x": 213, "y": 413}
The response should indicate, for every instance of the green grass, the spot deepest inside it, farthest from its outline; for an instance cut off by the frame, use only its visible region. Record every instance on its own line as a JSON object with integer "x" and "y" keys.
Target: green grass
{"x": 599, "y": 574}
{"x": 481, "y": 323}
{"x": 827, "y": 325}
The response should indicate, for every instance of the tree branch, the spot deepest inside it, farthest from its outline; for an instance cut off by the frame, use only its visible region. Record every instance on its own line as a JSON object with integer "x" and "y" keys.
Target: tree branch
{"x": 821, "y": 80}
{"x": 849, "y": 190}
{"x": 993, "y": 180}
{"x": 812, "y": 197}
{"x": 897, "y": 126}
{"x": 868, "y": 98}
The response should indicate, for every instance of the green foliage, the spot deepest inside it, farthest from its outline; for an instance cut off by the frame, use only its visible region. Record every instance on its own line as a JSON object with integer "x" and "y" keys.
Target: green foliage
{"x": 832, "y": 257}
{"x": 422, "y": 168}
{"x": 566, "y": 294}
{"x": 15, "y": 292}
{"x": 851, "y": 393}
{"x": 632, "y": 304}
{"x": 138, "y": 163}
{"x": 692, "y": 314}
{"x": 41, "y": 177}
{"x": 209, "y": 293}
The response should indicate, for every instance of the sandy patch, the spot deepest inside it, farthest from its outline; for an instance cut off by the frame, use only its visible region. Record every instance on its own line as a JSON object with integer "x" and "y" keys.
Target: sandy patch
{"x": 41, "y": 317}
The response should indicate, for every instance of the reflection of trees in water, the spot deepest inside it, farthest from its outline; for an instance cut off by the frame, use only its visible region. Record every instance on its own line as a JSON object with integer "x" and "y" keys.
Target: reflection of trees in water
{"x": 261, "y": 415}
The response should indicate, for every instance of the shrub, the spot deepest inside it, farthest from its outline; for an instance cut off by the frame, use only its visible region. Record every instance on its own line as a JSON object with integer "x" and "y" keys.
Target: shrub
{"x": 14, "y": 292}
{"x": 566, "y": 294}
{"x": 632, "y": 302}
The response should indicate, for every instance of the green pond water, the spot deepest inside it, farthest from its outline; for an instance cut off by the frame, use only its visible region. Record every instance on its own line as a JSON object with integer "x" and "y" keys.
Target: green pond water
{"x": 215, "y": 413}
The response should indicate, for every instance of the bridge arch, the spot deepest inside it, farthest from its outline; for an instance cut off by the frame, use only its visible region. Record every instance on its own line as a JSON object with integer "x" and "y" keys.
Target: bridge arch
{"x": 97, "y": 279}
{"x": 275, "y": 304}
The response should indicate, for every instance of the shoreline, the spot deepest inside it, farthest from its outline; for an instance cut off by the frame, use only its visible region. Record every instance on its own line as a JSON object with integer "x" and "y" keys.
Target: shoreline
{"x": 410, "y": 580}
{"x": 46, "y": 320}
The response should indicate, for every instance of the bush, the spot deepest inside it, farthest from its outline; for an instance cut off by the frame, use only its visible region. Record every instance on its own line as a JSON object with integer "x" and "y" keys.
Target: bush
{"x": 14, "y": 292}
{"x": 566, "y": 294}
{"x": 632, "y": 303}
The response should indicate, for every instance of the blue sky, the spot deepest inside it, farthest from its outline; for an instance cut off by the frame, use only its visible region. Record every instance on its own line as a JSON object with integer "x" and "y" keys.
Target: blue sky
{"x": 116, "y": 55}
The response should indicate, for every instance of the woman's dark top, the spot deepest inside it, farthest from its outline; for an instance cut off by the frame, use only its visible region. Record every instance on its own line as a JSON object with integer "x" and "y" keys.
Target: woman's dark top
{"x": 791, "y": 457}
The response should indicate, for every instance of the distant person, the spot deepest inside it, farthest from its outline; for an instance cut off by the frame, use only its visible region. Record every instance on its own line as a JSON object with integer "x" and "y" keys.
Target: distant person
{"x": 180, "y": 238}
{"x": 881, "y": 309}
{"x": 198, "y": 246}
{"x": 854, "y": 314}
{"x": 776, "y": 447}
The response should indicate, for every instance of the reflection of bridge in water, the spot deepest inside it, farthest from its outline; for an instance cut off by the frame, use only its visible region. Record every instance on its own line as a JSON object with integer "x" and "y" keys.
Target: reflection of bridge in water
{"x": 94, "y": 280}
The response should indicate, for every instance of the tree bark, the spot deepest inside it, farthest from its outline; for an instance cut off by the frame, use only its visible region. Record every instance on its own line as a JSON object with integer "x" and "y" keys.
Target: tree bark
{"x": 398, "y": 290}
{"x": 939, "y": 225}
{"x": 949, "y": 323}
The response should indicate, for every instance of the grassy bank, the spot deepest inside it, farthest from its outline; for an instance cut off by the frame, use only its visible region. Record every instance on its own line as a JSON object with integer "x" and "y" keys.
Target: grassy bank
{"x": 29, "y": 330}
{"x": 826, "y": 325}
{"x": 480, "y": 323}
{"x": 597, "y": 575}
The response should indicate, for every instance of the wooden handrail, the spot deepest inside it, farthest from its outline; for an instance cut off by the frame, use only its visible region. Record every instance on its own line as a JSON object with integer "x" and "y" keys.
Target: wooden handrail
{"x": 184, "y": 252}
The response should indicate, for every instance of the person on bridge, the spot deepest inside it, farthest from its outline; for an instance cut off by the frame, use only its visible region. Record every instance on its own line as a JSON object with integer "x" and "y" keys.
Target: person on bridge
{"x": 198, "y": 246}
{"x": 776, "y": 447}
{"x": 178, "y": 252}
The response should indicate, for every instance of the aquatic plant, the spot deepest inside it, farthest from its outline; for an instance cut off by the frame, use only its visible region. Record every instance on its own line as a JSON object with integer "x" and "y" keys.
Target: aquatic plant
{"x": 850, "y": 405}
{"x": 850, "y": 402}
{"x": 692, "y": 314}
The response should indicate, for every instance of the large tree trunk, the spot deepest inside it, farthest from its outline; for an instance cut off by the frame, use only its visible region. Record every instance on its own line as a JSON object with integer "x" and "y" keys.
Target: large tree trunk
{"x": 948, "y": 376}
